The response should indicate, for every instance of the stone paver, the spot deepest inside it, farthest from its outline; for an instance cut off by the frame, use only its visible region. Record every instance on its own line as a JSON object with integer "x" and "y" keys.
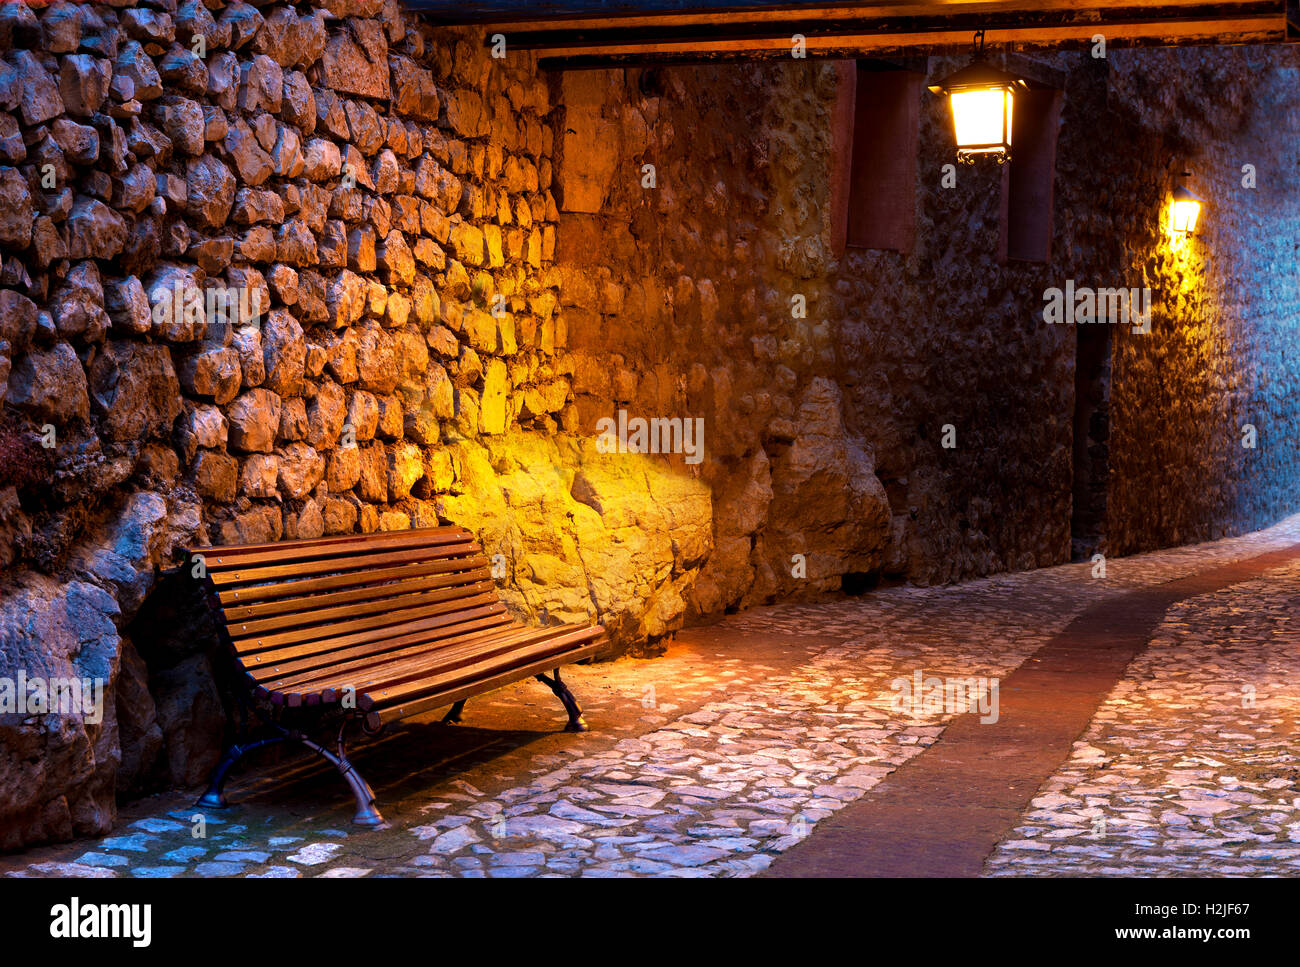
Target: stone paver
{"x": 720, "y": 756}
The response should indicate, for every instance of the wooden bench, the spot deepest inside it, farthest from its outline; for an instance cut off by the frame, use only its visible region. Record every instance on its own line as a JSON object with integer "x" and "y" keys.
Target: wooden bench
{"x": 370, "y": 628}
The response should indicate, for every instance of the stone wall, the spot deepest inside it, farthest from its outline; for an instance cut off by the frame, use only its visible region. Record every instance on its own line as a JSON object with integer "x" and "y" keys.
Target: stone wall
{"x": 1223, "y": 350}
{"x": 382, "y": 193}
{"x": 461, "y": 269}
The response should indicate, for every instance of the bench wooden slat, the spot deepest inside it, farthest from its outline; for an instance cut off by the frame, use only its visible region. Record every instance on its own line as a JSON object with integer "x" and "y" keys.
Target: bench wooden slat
{"x": 477, "y": 629}
{"x": 309, "y": 674}
{"x": 488, "y": 605}
{"x": 432, "y": 628}
{"x": 414, "y": 534}
{"x": 220, "y": 558}
{"x": 395, "y": 668}
{"x": 270, "y": 592}
{"x": 387, "y": 695}
{"x": 382, "y": 716}
{"x": 364, "y": 593}
{"x": 271, "y": 572}
{"x": 393, "y": 618}
{"x": 310, "y": 616}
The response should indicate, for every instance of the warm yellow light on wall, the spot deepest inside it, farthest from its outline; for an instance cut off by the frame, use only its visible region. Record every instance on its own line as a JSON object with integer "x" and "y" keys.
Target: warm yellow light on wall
{"x": 982, "y": 99}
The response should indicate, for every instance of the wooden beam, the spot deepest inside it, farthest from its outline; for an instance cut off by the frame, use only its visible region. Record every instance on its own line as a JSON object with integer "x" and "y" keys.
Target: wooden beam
{"x": 544, "y": 37}
{"x": 599, "y": 53}
{"x": 573, "y": 34}
{"x": 522, "y": 15}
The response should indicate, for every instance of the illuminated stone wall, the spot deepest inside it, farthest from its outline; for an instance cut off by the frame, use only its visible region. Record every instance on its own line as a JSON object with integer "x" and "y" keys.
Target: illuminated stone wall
{"x": 1224, "y": 353}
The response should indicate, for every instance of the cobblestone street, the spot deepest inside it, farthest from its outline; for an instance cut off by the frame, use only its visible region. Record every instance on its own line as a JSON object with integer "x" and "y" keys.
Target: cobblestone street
{"x": 721, "y": 756}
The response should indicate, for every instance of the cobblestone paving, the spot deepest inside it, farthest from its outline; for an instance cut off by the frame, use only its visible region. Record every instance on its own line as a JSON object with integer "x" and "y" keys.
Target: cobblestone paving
{"x": 1184, "y": 778}
{"x": 1192, "y": 766}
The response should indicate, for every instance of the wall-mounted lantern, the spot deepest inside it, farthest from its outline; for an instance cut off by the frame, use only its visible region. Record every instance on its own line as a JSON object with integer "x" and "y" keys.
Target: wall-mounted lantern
{"x": 982, "y": 98}
{"x": 1184, "y": 211}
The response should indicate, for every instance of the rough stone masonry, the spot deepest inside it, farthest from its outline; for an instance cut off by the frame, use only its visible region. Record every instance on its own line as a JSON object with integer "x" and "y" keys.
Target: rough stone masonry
{"x": 272, "y": 271}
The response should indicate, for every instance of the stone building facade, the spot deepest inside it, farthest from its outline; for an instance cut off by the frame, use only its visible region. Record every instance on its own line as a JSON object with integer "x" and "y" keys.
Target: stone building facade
{"x": 461, "y": 265}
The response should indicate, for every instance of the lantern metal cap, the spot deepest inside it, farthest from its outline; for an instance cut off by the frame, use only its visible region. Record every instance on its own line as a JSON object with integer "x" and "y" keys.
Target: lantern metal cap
{"x": 979, "y": 75}
{"x": 1183, "y": 193}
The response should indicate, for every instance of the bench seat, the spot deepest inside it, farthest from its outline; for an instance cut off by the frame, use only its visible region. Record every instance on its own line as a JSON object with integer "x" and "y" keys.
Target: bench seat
{"x": 377, "y": 627}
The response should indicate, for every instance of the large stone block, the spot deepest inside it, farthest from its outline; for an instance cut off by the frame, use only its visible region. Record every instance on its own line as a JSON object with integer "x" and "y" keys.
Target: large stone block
{"x": 254, "y": 421}
{"x": 355, "y": 60}
{"x": 134, "y": 390}
{"x": 50, "y": 384}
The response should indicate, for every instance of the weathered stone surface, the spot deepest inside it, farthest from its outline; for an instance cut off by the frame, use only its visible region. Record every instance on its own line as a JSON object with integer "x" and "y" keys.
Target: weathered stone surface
{"x": 38, "y": 95}
{"x": 493, "y": 409}
{"x": 136, "y": 189}
{"x": 50, "y": 385}
{"x": 18, "y": 316}
{"x": 252, "y": 206}
{"x": 284, "y": 351}
{"x": 405, "y": 468}
{"x": 363, "y": 415}
{"x": 248, "y": 344}
{"x": 178, "y": 310}
{"x": 301, "y": 469}
{"x": 213, "y": 373}
{"x": 190, "y": 717}
{"x": 134, "y": 390}
{"x": 185, "y": 124}
{"x": 128, "y": 306}
{"x": 261, "y": 85}
{"x": 83, "y": 83}
{"x": 259, "y": 475}
{"x": 79, "y": 142}
{"x": 216, "y": 475}
{"x": 377, "y": 367}
{"x": 414, "y": 92}
{"x": 134, "y": 65}
{"x": 61, "y": 23}
{"x": 323, "y": 160}
{"x": 372, "y": 485}
{"x": 15, "y": 209}
{"x": 355, "y": 60}
{"x": 57, "y": 774}
{"x": 254, "y": 421}
{"x": 295, "y": 244}
{"x": 325, "y": 416}
{"x": 139, "y": 735}
{"x": 77, "y": 306}
{"x": 12, "y": 148}
{"x": 293, "y": 420}
{"x": 210, "y": 189}
{"x": 202, "y": 425}
{"x": 291, "y": 40}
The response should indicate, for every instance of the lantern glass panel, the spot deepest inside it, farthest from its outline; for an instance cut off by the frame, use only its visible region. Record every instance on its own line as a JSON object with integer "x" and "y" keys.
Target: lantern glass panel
{"x": 982, "y": 119}
{"x": 1184, "y": 214}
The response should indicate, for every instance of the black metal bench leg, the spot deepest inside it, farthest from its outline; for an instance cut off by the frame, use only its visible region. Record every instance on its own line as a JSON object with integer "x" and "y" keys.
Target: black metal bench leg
{"x": 576, "y": 722}
{"x": 214, "y": 798}
{"x": 454, "y": 715}
{"x": 367, "y": 814}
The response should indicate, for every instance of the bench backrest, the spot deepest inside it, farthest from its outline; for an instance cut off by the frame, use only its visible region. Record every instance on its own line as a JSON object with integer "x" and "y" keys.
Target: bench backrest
{"x": 292, "y": 607}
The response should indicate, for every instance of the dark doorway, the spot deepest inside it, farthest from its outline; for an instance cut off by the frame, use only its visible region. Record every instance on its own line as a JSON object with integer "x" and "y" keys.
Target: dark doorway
{"x": 1091, "y": 439}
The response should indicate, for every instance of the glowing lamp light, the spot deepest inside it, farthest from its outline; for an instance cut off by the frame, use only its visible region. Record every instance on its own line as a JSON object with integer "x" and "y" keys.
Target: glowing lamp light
{"x": 982, "y": 99}
{"x": 1184, "y": 211}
